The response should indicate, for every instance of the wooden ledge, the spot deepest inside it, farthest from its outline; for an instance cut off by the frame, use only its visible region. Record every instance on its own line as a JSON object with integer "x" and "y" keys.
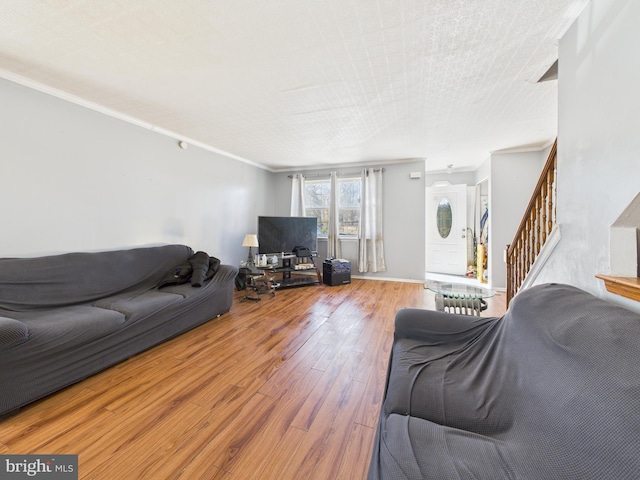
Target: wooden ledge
{"x": 625, "y": 286}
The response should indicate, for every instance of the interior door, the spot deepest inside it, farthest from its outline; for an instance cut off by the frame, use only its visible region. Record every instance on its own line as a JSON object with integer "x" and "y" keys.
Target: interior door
{"x": 446, "y": 210}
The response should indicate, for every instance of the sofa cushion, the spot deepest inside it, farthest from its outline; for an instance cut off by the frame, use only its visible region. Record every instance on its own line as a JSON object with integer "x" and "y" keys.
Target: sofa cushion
{"x": 59, "y": 328}
{"x": 415, "y": 448}
{"x": 138, "y": 304}
{"x": 12, "y": 332}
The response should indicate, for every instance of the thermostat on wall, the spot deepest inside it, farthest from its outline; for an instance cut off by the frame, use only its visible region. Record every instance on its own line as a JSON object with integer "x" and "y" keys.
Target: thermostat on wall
{"x": 415, "y": 175}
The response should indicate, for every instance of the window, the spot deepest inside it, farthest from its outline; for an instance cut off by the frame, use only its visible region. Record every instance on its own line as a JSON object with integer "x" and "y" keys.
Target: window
{"x": 316, "y": 200}
{"x": 317, "y": 194}
{"x": 349, "y": 206}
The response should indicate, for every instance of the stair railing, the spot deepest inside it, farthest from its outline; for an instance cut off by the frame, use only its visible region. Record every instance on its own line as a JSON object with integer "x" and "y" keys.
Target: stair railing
{"x": 536, "y": 225}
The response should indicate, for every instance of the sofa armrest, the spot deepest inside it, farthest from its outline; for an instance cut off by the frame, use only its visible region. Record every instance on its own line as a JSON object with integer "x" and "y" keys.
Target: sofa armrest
{"x": 434, "y": 326}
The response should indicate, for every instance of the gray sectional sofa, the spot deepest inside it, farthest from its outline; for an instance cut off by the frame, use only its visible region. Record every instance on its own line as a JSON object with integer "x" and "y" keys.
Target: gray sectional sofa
{"x": 551, "y": 390}
{"x": 66, "y": 317}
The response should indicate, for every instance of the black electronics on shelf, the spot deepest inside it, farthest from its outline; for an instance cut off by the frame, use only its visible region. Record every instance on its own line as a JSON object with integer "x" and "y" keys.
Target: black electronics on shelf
{"x": 297, "y": 269}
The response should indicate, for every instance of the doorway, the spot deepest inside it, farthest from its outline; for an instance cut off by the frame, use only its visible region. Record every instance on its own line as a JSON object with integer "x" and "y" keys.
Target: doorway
{"x": 446, "y": 229}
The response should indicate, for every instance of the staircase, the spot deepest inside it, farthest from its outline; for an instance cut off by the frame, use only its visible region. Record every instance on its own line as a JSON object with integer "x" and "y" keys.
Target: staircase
{"x": 535, "y": 228}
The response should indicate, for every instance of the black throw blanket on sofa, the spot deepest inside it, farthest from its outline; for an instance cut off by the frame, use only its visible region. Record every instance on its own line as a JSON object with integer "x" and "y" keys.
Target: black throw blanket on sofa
{"x": 199, "y": 268}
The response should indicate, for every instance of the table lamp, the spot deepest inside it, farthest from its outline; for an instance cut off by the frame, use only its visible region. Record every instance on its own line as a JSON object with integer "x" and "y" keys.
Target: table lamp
{"x": 250, "y": 240}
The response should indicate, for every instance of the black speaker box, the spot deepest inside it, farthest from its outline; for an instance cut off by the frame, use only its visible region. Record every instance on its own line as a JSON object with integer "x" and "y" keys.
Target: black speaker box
{"x": 336, "y": 272}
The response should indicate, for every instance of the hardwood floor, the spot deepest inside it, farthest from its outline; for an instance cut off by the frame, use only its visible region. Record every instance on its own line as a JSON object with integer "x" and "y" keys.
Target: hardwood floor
{"x": 285, "y": 388}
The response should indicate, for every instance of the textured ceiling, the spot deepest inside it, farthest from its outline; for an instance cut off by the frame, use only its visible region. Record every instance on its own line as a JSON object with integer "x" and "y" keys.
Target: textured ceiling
{"x": 303, "y": 83}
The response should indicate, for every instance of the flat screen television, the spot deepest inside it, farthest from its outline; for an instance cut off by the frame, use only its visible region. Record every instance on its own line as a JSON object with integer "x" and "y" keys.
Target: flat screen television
{"x": 283, "y": 234}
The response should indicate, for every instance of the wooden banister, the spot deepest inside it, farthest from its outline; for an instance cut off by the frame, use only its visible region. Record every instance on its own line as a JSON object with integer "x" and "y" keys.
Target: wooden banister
{"x": 536, "y": 225}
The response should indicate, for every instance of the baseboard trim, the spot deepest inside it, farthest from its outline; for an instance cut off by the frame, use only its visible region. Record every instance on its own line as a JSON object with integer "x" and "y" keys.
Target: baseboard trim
{"x": 387, "y": 279}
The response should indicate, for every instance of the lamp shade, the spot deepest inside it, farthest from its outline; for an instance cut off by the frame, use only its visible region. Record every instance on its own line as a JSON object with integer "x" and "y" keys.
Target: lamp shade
{"x": 250, "y": 240}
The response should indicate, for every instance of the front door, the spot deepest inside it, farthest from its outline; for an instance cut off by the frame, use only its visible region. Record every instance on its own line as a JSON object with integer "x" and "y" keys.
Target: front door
{"x": 446, "y": 209}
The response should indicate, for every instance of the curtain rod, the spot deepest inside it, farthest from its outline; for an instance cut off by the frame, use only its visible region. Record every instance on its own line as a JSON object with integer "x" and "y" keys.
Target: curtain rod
{"x": 345, "y": 174}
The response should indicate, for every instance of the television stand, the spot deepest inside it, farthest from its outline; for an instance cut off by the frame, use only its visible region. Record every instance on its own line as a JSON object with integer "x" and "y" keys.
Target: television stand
{"x": 295, "y": 271}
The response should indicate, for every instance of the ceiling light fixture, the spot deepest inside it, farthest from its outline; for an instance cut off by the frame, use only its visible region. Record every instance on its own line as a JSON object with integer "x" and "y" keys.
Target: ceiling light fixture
{"x": 183, "y": 145}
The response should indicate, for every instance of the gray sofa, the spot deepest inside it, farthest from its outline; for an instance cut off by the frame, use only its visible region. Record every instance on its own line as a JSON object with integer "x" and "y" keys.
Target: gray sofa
{"x": 66, "y": 317}
{"x": 551, "y": 390}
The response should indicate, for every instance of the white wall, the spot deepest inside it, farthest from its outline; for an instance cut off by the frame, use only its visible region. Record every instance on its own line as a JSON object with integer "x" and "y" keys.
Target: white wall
{"x": 454, "y": 178}
{"x": 75, "y": 180}
{"x": 598, "y": 141}
{"x": 513, "y": 179}
{"x": 404, "y": 221}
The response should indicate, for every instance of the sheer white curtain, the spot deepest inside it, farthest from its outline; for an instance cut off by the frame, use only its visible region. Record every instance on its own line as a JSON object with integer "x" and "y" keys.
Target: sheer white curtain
{"x": 297, "y": 195}
{"x": 333, "y": 240}
{"x": 371, "y": 250}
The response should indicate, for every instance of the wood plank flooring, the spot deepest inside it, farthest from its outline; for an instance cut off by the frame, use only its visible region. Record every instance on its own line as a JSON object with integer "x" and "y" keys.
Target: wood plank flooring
{"x": 285, "y": 388}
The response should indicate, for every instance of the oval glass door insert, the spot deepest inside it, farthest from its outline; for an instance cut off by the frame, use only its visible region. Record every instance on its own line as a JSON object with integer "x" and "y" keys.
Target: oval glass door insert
{"x": 444, "y": 218}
